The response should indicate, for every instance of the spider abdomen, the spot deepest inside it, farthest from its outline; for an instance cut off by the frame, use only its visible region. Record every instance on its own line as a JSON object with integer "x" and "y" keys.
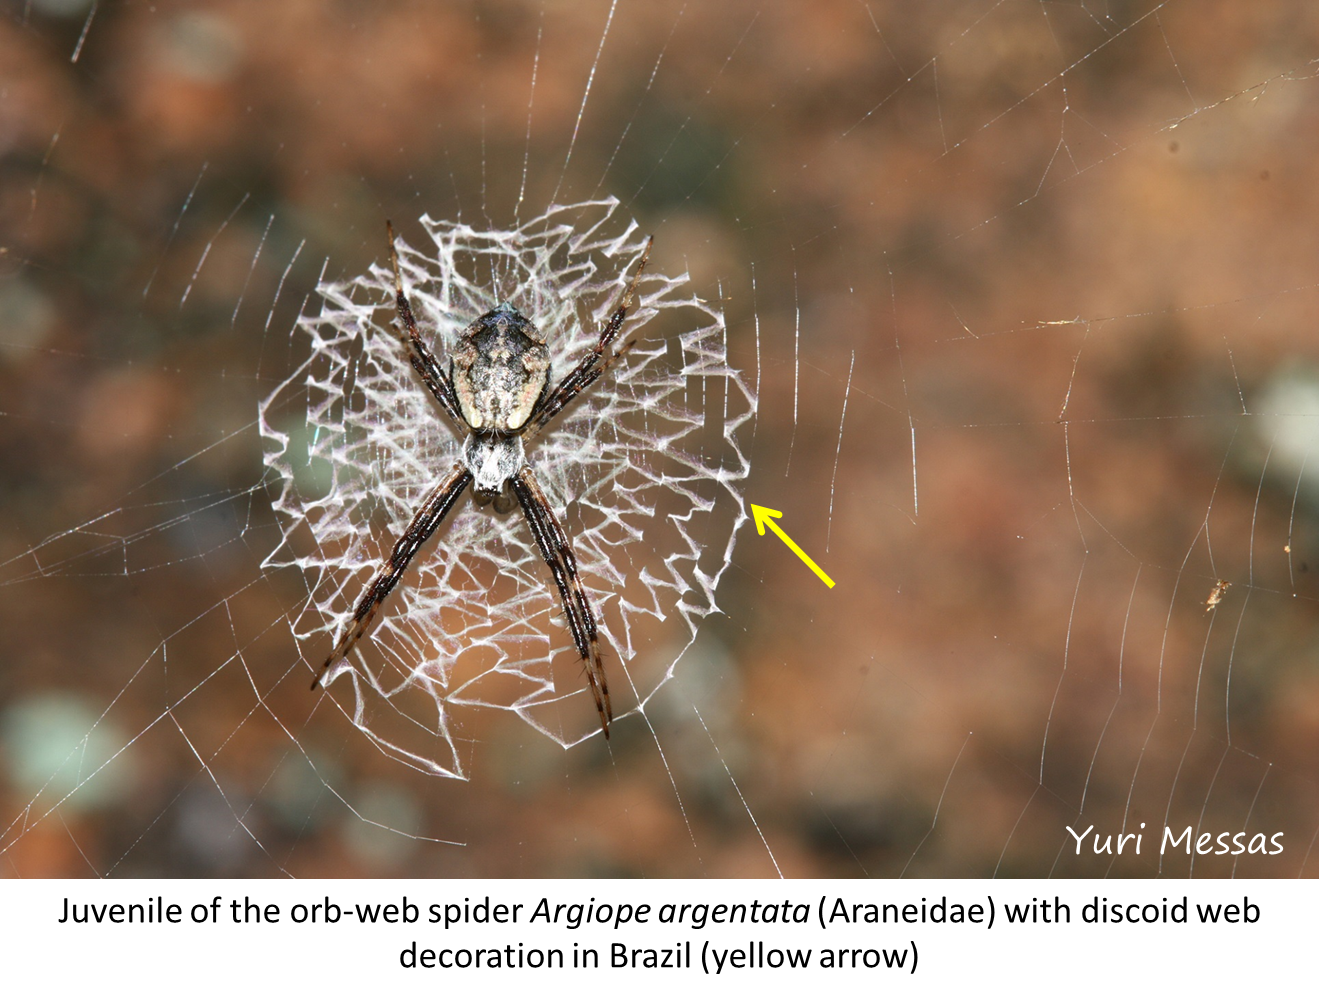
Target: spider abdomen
{"x": 500, "y": 368}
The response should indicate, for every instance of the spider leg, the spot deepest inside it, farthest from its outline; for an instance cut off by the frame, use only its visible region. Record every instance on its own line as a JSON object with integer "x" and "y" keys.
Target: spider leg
{"x": 597, "y": 360}
{"x": 558, "y": 555}
{"x": 585, "y": 384}
{"x": 425, "y": 363}
{"x": 432, "y": 512}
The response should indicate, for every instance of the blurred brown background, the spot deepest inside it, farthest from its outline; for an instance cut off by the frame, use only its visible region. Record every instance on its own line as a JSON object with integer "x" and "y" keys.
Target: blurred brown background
{"x": 1060, "y": 260}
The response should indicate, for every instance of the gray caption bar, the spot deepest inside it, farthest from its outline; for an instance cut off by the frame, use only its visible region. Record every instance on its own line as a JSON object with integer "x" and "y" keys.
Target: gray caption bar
{"x": 581, "y": 939}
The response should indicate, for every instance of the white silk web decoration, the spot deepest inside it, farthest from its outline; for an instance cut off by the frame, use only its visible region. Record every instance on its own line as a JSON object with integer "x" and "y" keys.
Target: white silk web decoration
{"x": 645, "y": 470}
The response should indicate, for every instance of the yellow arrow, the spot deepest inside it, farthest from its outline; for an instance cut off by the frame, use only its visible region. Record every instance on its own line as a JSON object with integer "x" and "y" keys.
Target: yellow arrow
{"x": 765, "y": 516}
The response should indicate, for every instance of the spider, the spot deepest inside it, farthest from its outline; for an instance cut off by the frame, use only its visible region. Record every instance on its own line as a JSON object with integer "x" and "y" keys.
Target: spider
{"x": 497, "y": 390}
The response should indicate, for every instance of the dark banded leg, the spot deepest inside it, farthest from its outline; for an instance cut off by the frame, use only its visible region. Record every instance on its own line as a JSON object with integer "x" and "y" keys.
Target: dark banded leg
{"x": 596, "y": 361}
{"x": 558, "y": 555}
{"x": 432, "y": 512}
{"x": 423, "y": 361}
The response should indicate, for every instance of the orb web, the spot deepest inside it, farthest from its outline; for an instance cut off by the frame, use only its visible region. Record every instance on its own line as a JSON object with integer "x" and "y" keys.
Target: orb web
{"x": 644, "y": 469}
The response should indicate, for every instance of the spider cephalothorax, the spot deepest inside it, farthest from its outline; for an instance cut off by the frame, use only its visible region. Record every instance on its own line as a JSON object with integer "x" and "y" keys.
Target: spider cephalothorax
{"x": 497, "y": 389}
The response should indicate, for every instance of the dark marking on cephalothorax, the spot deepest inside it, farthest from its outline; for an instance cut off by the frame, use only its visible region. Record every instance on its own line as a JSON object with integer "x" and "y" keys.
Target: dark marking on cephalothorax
{"x": 500, "y": 369}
